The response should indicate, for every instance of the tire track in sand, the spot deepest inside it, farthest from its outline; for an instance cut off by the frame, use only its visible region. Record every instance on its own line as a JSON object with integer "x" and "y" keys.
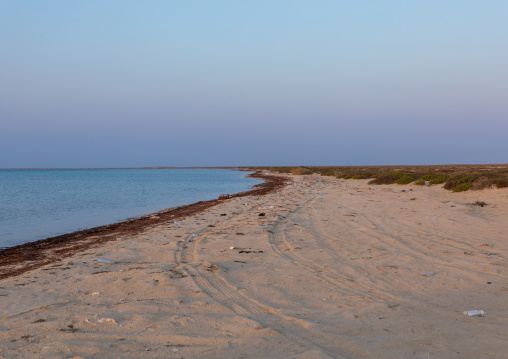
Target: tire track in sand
{"x": 219, "y": 289}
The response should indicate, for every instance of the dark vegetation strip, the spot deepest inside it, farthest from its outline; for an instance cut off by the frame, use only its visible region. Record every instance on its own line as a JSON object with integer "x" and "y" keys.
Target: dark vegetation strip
{"x": 17, "y": 260}
{"x": 456, "y": 178}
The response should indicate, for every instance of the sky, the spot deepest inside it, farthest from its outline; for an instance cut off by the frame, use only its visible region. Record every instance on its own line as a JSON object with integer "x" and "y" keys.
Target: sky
{"x": 124, "y": 83}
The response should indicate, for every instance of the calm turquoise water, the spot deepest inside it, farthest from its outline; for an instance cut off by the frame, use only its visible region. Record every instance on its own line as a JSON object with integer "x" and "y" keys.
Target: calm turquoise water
{"x": 37, "y": 204}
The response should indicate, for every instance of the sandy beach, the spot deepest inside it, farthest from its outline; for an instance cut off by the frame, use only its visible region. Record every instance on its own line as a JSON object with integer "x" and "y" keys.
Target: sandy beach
{"x": 321, "y": 268}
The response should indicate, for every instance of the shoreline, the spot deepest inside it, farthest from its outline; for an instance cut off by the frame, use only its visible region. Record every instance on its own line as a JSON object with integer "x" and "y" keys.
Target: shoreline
{"x": 322, "y": 268}
{"x": 23, "y": 258}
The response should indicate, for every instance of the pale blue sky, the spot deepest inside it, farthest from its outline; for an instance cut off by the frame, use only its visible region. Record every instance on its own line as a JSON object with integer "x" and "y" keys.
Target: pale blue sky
{"x": 227, "y": 83}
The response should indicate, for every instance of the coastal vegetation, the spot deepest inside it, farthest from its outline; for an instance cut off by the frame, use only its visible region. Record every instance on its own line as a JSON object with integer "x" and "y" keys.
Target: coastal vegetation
{"x": 479, "y": 203}
{"x": 456, "y": 178}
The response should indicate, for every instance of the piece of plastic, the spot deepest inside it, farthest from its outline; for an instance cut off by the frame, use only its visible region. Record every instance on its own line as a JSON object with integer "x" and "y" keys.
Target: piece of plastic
{"x": 474, "y": 312}
{"x": 106, "y": 260}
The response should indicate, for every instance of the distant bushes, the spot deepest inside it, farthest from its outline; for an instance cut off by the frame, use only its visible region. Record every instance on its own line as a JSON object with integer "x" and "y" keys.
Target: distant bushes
{"x": 359, "y": 177}
{"x": 405, "y": 179}
{"x": 393, "y": 177}
{"x": 455, "y": 178}
{"x": 432, "y": 179}
{"x": 301, "y": 171}
{"x": 482, "y": 183}
{"x": 281, "y": 169}
{"x": 460, "y": 182}
{"x": 384, "y": 179}
{"x": 456, "y": 182}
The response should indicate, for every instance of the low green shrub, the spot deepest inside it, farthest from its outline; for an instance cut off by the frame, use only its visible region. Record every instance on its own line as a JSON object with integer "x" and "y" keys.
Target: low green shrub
{"x": 468, "y": 178}
{"x": 405, "y": 179}
{"x": 426, "y": 178}
{"x": 432, "y": 179}
{"x": 460, "y": 179}
{"x": 438, "y": 180}
{"x": 386, "y": 178}
{"x": 462, "y": 187}
{"x": 359, "y": 177}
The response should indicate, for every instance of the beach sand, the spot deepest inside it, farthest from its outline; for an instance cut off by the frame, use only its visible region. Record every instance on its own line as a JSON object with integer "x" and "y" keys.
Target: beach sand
{"x": 333, "y": 269}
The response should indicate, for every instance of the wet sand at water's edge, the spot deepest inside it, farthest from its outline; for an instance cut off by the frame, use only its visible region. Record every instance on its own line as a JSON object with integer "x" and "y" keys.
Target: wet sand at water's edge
{"x": 320, "y": 268}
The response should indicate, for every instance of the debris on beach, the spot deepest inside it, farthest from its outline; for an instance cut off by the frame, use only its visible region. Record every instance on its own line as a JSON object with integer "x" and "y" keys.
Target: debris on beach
{"x": 70, "y": 328}
{"x": 212, "y": 268}
{"x": 106, "y": 260}
{"x": 474, "y": 312}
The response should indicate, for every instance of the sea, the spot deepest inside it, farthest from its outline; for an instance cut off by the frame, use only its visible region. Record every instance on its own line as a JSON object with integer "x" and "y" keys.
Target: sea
{"x": 38, "y": 204}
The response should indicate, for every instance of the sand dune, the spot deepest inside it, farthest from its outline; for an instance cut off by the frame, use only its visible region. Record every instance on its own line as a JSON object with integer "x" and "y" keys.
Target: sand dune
{"x": 333, "y": 269}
